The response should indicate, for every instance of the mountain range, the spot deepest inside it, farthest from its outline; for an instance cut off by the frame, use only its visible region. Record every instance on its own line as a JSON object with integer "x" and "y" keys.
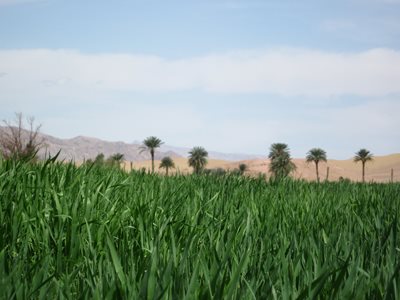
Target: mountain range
{"x": 81, "y": 147}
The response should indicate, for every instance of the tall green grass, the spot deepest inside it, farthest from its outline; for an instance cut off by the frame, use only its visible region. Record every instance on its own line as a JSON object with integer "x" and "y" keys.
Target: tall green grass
{"x": 72, "y": 232}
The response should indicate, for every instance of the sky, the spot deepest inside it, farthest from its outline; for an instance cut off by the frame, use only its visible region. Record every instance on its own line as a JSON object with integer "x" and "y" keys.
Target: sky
{"x": 230, "y": 75}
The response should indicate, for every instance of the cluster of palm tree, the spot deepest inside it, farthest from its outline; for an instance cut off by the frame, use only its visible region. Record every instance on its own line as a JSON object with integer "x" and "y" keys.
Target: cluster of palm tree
{"x": 114, "y": 160}
{"x": 317, "y": 155}
{"x": 281, "y": 164}
{"x": 197, "y": 156}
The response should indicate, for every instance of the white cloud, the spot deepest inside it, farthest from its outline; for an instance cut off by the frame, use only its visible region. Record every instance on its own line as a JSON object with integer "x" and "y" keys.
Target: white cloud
{"x": 287, "y": 72}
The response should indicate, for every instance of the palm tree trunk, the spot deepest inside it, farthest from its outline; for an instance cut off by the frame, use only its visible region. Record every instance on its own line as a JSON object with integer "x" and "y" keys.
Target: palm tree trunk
{"x": 363, "y": 171}
{"x": 166, "y": 169}
{"x": 152, "y": 160}
{"x": 316, "y": 168}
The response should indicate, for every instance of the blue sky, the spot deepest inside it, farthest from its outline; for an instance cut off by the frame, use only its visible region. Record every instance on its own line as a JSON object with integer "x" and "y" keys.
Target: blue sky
{"x": 232, "y": 76}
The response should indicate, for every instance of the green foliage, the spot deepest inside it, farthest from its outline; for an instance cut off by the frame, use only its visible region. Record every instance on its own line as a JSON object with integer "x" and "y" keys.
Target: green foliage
{"x": 118, "y": 157}
{"x": 344, "y": 180}
{"x": 198, "y": 159}
{"x": 281, "y": 164}
{"x": 316, "y": 155}
{"x": 216, "y": 172}
{"x": 70, "y": 232}
{"x": 113, "y": 161}
{"x": 99, "y": 159}
{"x": 363, "y": 155}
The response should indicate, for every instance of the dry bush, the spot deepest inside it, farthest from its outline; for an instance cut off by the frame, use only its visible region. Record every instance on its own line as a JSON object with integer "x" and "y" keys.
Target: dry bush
{"x": 18, "y": 141}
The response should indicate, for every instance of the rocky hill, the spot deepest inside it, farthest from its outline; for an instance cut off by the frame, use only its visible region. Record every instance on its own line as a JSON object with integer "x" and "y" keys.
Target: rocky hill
{"x": 82, "y": 147}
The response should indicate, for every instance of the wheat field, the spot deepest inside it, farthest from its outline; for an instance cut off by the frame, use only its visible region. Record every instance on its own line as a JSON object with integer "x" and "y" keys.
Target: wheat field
{"x": 88, "y": 232}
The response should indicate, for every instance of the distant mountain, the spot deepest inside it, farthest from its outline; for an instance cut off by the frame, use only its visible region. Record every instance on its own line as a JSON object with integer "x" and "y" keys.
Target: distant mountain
{"x": 184, "y": 152}
{"x": 81, "y": 147}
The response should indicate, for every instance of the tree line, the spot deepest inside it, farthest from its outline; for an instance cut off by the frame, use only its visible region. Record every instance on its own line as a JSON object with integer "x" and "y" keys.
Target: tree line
{"x": 19, "y": 142}
{"x": 281, "y": 164}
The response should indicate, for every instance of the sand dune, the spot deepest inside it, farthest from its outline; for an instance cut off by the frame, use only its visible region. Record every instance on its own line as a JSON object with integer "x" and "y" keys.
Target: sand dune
{"x": 379, "y": 170}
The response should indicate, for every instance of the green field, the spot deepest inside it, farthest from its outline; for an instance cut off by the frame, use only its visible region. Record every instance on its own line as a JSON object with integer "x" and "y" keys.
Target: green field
{"x": 72, "y": 232}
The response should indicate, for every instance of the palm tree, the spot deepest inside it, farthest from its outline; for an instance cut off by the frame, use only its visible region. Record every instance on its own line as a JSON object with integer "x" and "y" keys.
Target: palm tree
{"x": 167, "y": 163}
{"x": 117, "y": 159}
{"x": 242, "y": 168}
{"x": 316, "y": 155}
{"x": 99, "y": 160}
{"x": 150, "y": 144}
{"x": 198, "y": 159}
{"x": 280, "y": 161}
{"x": 363, "y": 155}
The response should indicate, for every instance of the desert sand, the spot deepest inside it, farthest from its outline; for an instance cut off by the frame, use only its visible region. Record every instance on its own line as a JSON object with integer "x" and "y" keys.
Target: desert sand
{"x": 378, "y": 170}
